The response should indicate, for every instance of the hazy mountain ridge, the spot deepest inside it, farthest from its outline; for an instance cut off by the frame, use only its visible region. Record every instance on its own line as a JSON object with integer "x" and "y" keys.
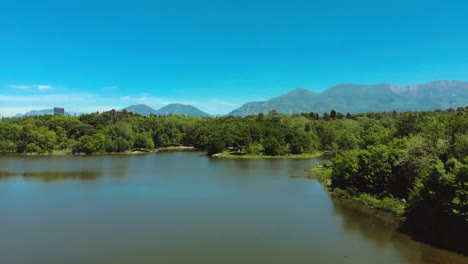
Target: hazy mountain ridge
{"x": 170, "y": 109}
{"x": 181, "y": 109}
{"x": 44, "y": 112}
{"x": 356, "y": 98}
{"x": 346, "y": 97}
{"x": 142, "y": 109}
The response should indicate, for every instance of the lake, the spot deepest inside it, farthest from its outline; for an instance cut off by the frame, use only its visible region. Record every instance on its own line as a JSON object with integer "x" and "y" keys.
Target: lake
{"x": 182, "y": 207}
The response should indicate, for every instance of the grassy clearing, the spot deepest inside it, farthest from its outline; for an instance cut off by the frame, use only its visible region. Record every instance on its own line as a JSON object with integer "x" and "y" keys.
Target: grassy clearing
{"x": 321, "y": 173}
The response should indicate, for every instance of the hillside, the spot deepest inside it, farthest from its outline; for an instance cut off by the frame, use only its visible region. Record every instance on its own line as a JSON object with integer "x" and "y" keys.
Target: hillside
{"x": 141, "y": 109}
{"x": 171, "y": 109}
{"x": 356, "y": 98}
{"x": 296, "y": 101}
{"x": 181, "y": 109}
{"x": 44, "y": 112}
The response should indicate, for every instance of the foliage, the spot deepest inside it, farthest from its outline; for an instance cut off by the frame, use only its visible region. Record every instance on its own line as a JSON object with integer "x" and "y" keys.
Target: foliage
{"x": 421, "y": 158}
{"x": 322, "y": 173}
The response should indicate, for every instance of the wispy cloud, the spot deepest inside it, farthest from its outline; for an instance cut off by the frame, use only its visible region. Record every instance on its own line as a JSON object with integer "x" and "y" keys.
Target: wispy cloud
{"x": 20, "y": 87}
{"x": 146, "y": 99}
{"x": 40, "y": 87}
{"x": 44, "y": 87}
{"x": 45, "y": 99}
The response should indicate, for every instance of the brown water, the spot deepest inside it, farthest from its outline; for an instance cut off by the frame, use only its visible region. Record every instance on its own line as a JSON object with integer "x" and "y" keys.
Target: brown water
{"x": 185, "y": 208}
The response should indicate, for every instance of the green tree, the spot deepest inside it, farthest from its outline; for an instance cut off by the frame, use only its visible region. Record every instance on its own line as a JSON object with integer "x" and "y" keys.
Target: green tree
{"x": 7, "y": 146}
{"x": 215, "y": 146}
{"x": 143, "y": 141}
{"x": 90, "y": 144}
{"x": 407, "y": 124}
{"x": 437, "y": 210}
{"x": 271, "y": 146}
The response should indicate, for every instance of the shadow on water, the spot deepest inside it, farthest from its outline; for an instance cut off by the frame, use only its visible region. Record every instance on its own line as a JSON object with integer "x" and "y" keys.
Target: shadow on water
{"x": 380, "y": 228}
{"x": 52, "y": 176}
{"x": 63, "y": 168}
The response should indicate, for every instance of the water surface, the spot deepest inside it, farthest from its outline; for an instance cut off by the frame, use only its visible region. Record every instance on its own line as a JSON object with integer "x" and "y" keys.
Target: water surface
{"x": 185, "y": 208}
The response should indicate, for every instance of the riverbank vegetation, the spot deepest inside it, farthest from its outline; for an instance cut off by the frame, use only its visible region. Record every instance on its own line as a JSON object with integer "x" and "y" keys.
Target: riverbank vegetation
{"x": 413, "y": 163}
{"x": 236, "y": 155}
{"x": 321, "y": 173}
{"x": 416, "y": 167}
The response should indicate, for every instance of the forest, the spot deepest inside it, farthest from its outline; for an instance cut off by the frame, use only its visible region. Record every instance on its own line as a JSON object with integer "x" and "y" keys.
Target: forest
{"x": 417, "y": 162}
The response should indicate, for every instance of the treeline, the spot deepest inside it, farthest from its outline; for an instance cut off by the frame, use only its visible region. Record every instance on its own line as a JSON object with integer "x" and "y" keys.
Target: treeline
{"x": 120, "y": 131}
{"x": 418, "y": 160}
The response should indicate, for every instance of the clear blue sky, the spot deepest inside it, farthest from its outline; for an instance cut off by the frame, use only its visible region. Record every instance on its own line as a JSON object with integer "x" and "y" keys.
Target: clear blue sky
{"x": 217, "y": 55}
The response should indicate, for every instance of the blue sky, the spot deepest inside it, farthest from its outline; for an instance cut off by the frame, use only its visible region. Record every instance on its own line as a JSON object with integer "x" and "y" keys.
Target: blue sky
{"x": 97, "y": 55}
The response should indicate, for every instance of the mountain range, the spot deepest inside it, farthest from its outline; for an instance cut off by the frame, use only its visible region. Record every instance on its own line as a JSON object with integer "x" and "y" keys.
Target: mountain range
{"x": 170, "y": 109}
{"x": 45, "y": 112}
{"x": 347, "y": 97}
{"x": 142, "y": 109}
{"x": 358, "y": 98}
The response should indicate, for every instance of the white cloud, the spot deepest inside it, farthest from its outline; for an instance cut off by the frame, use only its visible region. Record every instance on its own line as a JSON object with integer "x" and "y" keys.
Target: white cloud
{"x": 40, "y": 87}
{"x": 20, "y": 87}
{"x": 44, "y": 87}
{"x": 147, "y": 99}
{"x": 44, "y": 99}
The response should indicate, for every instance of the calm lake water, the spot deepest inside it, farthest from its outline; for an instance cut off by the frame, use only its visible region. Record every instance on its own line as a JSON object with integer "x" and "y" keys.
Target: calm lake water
{"x": 186, "y": 208}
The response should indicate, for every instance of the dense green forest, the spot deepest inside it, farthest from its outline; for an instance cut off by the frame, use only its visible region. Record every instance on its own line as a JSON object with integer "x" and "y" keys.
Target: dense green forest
{"x": 415, "y": 161}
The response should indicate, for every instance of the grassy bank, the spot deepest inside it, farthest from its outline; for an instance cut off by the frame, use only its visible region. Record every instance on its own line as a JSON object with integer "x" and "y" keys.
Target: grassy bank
{"x": 389, "y": 204}
{"x": 230, "y": 155}
{"x": 321, "y": 173}
{"x": 363, "y": 201}
{"x": 66, "y": 152}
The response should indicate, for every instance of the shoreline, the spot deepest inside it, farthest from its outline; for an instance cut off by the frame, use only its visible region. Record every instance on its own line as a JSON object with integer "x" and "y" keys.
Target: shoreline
{"x": 322, "y": 174}
{"x": 227, "y": 155}
{"x": 129, "y": 152}
{"x": 223, "y": 155}
{"x": 385, "y": 215}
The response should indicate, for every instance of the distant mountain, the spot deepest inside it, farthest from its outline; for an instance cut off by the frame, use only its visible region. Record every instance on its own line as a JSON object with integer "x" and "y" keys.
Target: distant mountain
{"x": 357, "y": 98}
{"x": 44, "y": 112}
{"x": 181, "y": 109}
{"x": 171, "y": 109}
{"x": 141, "y": 109}
{"x": 40, "y": 112}
{"x": 296, "y": 101}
